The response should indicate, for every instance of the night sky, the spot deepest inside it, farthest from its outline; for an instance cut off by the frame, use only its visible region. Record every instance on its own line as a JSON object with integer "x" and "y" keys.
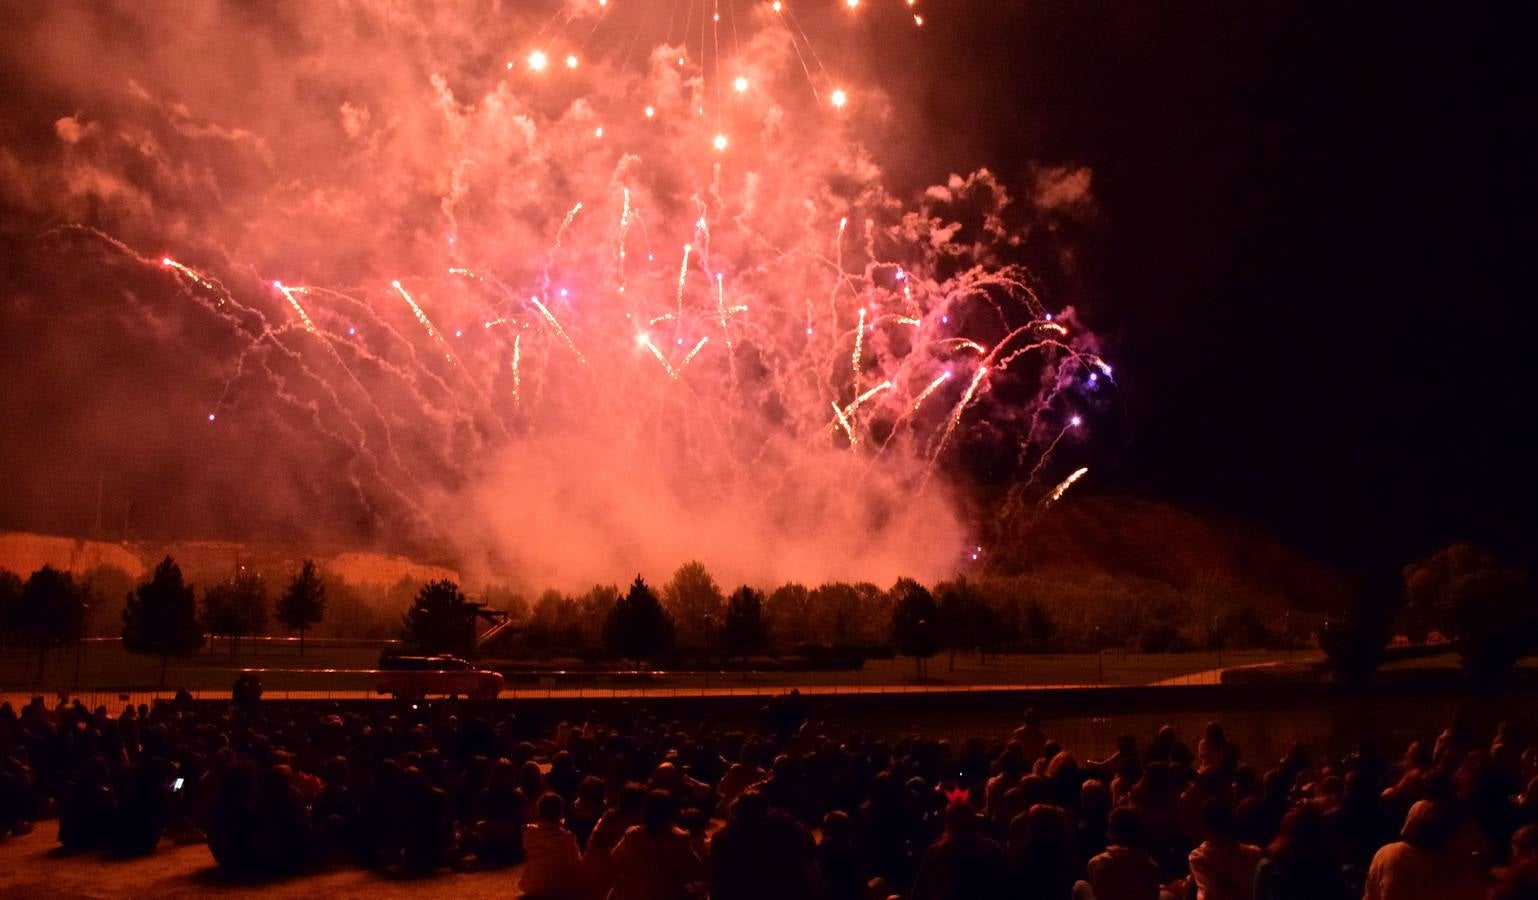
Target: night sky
{"x": 1314, "y": 252}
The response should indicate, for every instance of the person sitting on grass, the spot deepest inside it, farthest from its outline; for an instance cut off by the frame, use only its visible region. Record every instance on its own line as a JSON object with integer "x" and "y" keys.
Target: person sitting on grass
{"x": 1124, "y": 871}
{"x": 1422, "y": 863}
{"x": 1222, "y": 866}
{"x": 963, "y": 864}
{"x": 87, "y": 810}
{"x": 656, "y": 860}
{"x": 552, "y": 866}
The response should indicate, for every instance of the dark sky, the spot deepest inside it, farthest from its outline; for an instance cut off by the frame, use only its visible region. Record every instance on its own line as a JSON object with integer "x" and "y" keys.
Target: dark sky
{"x": 1314, "y": 253}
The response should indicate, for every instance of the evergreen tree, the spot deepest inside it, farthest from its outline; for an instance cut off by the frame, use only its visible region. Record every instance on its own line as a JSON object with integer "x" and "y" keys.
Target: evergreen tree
{"x": 638, "y": 627}
{"x": 303, "y": 603}
{"x": 441, "y": 619}
{"x": 161, "y": 617}
{"x": 744, "y": 631}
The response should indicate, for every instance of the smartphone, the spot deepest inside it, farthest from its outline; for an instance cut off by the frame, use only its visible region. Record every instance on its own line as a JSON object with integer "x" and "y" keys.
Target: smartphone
{"x": 178, "y": 784}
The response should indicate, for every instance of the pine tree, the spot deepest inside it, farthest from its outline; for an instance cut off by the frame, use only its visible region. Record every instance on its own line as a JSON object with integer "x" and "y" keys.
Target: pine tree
{"x": 304, "y": 601}
{"x": 161, "y": 617}
{"x": 744, "y": 630}
{"x": 638, "y": 627}
{"x": 441, "y": 619}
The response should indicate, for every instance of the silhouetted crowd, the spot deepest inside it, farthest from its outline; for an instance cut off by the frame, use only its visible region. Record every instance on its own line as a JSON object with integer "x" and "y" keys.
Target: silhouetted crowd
{"x": 629, "y": 807}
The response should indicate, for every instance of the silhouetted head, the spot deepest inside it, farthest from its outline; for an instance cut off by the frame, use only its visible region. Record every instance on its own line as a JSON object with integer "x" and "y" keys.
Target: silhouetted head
{"x": 1124, "y": 827}
{"x": 960, "y": 820}
{"x": 658, "y": 811}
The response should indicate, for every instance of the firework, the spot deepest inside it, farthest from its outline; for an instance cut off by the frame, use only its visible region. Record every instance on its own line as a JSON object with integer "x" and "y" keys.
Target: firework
{"x": 517, "y": 370}
{"x": 294, "y": 302}
{"x": 427, "y": 324}
{"x": 1057, "y": 493}
{"x": 559, "y": 190}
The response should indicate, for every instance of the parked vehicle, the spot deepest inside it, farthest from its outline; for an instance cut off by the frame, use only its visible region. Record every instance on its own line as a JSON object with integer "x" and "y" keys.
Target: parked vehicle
{"x": 419, "y": 676}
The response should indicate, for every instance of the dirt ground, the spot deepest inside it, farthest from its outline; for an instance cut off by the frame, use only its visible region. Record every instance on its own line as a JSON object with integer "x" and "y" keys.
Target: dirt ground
{"x": 31, "y": 867}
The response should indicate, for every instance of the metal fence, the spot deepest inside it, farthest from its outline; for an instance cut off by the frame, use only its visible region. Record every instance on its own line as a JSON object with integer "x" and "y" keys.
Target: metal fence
{"x": 114, "y": 700}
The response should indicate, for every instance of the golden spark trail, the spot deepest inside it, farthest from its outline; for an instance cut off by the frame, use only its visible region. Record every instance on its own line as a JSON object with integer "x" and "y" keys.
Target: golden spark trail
{"x": 193, "y": 274}
{"x": 844, "y": 421}
{"x": 690, "y": 354}
{"x": 550, "y": 317}
{"x": 722, "y": 311}
{"x": 517, "y": 373}
{"x": 1046, "y": 456}
{"x": 933, "y": 386}
{"x": 859, "y": 344}
{"x": 1058, "y": 492}
{"x": 966, "y": 343}
{"x": 646, "y": 341}
{"x": 909, "y": 320}
{"x": 288, "y": 294}
{"x": 422, "y": 317}
{"x": 566, "y": 222}
{"x": 683, "y": 274}
{"x": 624, "y": 229}
{"x": 838, "y": 245}
{"x": 961, "y": 407}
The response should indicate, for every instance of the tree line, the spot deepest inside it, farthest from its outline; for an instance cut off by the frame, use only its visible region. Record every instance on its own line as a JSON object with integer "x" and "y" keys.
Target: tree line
{"x": 160, "y": 617}
{"x": 1485, "y": 608}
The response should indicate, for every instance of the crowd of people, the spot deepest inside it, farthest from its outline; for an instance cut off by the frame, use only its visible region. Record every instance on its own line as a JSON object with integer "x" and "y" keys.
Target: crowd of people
{"x": 629, "y": 807}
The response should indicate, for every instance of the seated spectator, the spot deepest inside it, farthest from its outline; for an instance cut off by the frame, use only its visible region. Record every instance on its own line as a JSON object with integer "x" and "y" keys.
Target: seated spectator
{"x": 586, "y": 810}
{"x": 1222, "y": 867}
{"x": 1124, "y": 871}
{"x": 837, "y": 859}
{"x": 140, "y": 817}
{"x": 761, "y": 853}
{"x": 87, "y": 811}
{"x": 232, "y": 820}
{"x": 1299, "y": 864}
{"x": 1044, "y": 859}
{"x": 282, "y": 837}
{"x": 552, "y": 866}
{"x": 496, "y": 837}
{"x": 655, "y": 860}
{"x": 962, "y": 864}
{"x": 1421, "y": 864}
{"x": 611, "y": 828}
{"x": 426, "y": 835}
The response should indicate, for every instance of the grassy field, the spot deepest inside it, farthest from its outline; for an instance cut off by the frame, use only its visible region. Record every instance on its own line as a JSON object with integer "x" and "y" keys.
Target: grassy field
{"x": 104, "y": 665}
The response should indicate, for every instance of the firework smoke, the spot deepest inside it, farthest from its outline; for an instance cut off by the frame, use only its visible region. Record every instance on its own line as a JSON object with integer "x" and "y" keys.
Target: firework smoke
{"x": 559, "y": 398}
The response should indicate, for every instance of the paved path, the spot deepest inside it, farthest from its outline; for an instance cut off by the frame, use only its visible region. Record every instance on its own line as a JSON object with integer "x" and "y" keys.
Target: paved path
{"x": 31, "y": 868}
{"x": 115, "y": 700}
